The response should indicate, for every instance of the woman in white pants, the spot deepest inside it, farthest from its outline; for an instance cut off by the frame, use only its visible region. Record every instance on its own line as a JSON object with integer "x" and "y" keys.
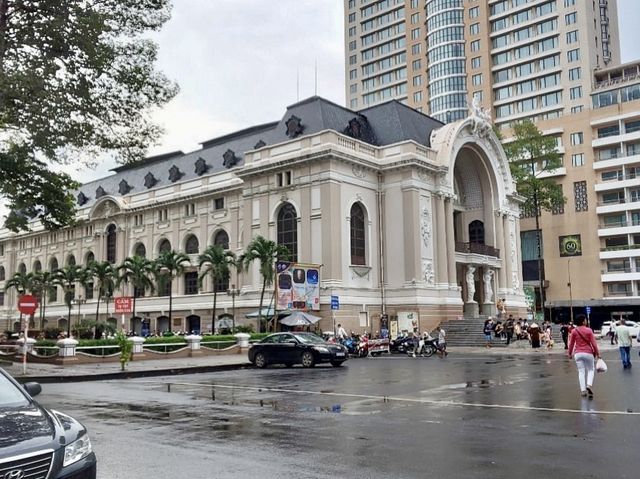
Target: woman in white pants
{"x": 584, "y": 349}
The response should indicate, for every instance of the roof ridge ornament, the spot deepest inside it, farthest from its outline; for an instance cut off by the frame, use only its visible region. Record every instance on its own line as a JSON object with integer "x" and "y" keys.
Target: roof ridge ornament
{"x": 294, "y": 126}
{"x": 175, "y": 174}
{"x": 230, "y": 159}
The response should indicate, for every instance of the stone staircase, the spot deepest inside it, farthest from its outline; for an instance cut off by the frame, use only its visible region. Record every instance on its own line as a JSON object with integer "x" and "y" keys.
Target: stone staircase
{"x": 468, "y": 332}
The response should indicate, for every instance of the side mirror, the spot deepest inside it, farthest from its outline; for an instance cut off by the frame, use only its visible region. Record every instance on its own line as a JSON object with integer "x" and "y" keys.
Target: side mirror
{"x": 33, "y": 388}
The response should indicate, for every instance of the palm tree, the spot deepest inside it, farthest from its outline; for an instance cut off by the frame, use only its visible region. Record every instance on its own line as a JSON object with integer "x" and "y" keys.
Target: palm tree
{"x": 137, "y": 271}
{"x": 167, "y": 266}
{"x": 105, "y": 275}
{"x": 67, "y": 277}
{"x": 267, "y": 252}
{"x": 45, "y": 283}
{"x": 23, "y": 283}
{"x": 215, "y": 261}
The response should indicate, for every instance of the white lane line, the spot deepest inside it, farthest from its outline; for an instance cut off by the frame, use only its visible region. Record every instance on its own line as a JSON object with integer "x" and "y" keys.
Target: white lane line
{"x": 403, "y": 399}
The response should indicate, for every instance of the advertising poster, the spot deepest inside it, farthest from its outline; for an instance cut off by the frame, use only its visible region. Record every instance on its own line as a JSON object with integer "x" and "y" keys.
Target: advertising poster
{"x": 407, "y": 321}
{"x": 298, "y": 286}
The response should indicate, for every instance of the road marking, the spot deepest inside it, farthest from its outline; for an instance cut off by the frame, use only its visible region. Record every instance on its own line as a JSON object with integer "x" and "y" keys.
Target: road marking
{"x": 403, "y": 399}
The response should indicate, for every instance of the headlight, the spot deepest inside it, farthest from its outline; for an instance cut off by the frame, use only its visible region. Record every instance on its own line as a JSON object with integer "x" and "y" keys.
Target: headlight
{"x": 77, "y": 450}
{"x": 321, "y": 349}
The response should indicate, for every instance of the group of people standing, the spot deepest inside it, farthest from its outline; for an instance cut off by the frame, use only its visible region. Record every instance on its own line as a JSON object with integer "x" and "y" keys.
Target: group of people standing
{"x": 515, "y": 330}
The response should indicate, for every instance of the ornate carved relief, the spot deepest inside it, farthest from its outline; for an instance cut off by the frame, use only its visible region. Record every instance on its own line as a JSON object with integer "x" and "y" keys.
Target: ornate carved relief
{"x": 515, "y": 282}
{"x": 427, "y": 272}
{"x": 259, "y": 145}
{"x": 360, "y": 129}
{"x": 358, "y": 171}
{"x": 425, "y": 226}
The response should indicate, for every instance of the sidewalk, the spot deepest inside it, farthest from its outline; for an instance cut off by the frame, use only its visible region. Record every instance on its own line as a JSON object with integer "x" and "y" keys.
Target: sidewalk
{"x": 51, "y": 373}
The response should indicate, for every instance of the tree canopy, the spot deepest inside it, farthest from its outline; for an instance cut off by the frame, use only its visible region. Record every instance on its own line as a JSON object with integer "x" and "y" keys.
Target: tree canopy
{"x": 532, "y": 157}
{"x": 77, "y": 81}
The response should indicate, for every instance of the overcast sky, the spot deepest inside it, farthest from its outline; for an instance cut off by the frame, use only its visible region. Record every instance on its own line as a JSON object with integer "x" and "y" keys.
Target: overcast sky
{"x": 237, "y": 63}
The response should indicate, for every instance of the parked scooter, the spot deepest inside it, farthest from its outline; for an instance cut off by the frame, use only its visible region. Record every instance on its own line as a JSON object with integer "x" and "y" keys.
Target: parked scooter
{"x": 402, "y": 345}
{"x": 363, "y": 347}
{"x": 351, "y": 344}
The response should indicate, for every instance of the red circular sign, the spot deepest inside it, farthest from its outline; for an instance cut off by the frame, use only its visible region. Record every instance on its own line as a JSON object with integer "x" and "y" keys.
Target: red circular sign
{"x": 27, "y": 304}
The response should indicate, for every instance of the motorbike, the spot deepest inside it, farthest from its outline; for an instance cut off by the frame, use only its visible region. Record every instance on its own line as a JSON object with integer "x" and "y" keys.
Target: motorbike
{"x": 427, "y": 347}
{"x": 352, "y": 345}
{"x": 402, "y": 345}
{"x": 363, "y": 347}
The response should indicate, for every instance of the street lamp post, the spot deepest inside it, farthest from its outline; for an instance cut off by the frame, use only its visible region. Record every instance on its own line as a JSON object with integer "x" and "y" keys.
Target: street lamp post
{"x": 233, "y": 292}
{"x": 79, "y": 301}
{"x": 570, "y": 291}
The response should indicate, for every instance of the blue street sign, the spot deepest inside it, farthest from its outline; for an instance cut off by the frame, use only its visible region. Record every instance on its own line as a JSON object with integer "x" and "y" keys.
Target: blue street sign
{"x": 588, "y": 310}
{"x": 335, "y": 302}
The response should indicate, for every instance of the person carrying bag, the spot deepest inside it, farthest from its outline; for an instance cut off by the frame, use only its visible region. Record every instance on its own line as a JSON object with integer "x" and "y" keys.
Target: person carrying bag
{"x": 584, "y": 349}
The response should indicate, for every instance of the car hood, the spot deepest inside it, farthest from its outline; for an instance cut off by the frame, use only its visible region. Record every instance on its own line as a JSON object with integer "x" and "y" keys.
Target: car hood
{"x": 26, "y": 428}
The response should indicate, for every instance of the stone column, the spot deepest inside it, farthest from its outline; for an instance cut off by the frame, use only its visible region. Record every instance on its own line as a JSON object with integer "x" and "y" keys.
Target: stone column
{"x": 451, "y": 243}
{"x": 67, "y": 347}
{"x": 504, "y": 255}
{"x": 442, "y": 273}
{"x": 510, "y": 242}
{"x": 471, "y": 308}
{"x": 193, "y": 343}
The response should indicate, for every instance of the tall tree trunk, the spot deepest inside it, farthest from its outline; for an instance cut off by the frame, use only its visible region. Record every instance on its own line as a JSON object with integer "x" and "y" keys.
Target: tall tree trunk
{"x": 69, "y": 321}
{"x": 170, "y": 303}
{"x": 215, "y": 299}
{"x": 264, "y": 286}
{"x": 98, "y": 306}
{"x": 4, "y": 20}
{"x": 44, "y": 311}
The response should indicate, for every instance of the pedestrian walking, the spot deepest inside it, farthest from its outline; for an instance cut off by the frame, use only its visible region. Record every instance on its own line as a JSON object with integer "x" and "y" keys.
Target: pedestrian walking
{"x": 487, "y": 330}
{"x": 509, "y": 328}
{"x": 564, "y": 332}
{"x": 584, "y": 349}
{"x": 442, "y": 342}
{"x": 624, "y": 343}
{"x": 341, "y": 334}
{"x": 612, "y": 333}
{"x": 534, "y": 335}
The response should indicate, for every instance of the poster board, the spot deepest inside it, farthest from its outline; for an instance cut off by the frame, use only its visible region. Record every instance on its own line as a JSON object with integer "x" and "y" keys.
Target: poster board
{"x": 297, "y": 286}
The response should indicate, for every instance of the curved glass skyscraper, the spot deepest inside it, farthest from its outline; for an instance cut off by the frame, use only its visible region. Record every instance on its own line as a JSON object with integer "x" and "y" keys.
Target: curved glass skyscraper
{"x": 446, "y": 60}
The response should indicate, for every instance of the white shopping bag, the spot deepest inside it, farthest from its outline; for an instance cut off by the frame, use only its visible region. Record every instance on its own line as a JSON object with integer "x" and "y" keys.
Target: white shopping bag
{"x": 601, "y": 366}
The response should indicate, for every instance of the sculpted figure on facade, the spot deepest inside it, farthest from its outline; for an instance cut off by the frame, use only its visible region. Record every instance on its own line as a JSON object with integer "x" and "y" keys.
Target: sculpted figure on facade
{"x": 481, "y": 118}
{"x": 471, "y": 284}
{"x": 425, "y": 226}
{"x": 427, "y": 272}
{"x": 488, "y": 285}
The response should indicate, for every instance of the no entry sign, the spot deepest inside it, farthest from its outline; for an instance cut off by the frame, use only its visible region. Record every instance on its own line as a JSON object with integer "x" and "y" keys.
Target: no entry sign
{"x": 27, "y": 304}
{"x": 123, "y": 304}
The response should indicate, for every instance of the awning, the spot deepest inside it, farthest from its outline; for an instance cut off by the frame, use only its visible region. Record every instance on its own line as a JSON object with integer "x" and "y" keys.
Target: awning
{"x": 266, "y": 313}
{"x": 300, "y": 318}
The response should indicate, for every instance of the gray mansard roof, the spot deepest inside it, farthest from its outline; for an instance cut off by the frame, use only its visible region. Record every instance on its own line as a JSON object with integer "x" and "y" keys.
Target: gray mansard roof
{"x": 379, "y": 125}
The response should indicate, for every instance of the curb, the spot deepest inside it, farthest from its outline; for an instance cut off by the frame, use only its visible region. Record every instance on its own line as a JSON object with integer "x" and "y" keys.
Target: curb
{"x": 53, "y": 379}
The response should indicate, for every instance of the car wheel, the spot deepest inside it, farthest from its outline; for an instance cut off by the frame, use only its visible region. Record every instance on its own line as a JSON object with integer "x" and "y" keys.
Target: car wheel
{"x": 260, "y": 360}
{"x": 308, "y": 361}
{"x": 336, "y": 364}
{"x": 289, "y": 365}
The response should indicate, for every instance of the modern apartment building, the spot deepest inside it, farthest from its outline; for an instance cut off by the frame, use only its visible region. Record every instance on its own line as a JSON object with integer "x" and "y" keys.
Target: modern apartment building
{"x": 520, "y": 58}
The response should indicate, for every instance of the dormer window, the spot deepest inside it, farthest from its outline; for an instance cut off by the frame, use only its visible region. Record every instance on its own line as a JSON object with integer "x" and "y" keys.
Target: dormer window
{"x": 175, "y": 174}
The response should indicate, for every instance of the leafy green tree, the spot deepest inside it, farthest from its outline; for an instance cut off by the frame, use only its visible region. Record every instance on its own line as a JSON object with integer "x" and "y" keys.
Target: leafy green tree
{"x": 105, "y": 275}
{"x": 266, "y": 252}
{"x": 167, "y": 266}
{"x": 126, "y": 348}
{"x": 138, "y": 272}
{"x": 67, "y": 277}
{"x": 532, "y": 157}
{"x": 215, "y": 262}
{"x": 77, "y": 79}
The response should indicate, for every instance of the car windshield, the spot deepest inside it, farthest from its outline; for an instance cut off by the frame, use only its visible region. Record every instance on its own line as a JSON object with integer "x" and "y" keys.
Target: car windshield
{"x": 309, "y": 338}
{"x": 10, "y": 395}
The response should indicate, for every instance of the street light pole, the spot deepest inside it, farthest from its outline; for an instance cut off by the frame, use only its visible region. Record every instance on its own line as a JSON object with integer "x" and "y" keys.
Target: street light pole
{"x": 233, "y": 292}
{"x": 570, "y": 291}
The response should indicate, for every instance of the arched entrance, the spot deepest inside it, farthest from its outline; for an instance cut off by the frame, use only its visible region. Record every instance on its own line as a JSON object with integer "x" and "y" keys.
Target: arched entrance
{"x": 135, "y": 325}
{"x": 62, "y": 324}
{"x": 162, "y": 324}
{"x": 113, "y": 322}
{"x": 193, "y": 324}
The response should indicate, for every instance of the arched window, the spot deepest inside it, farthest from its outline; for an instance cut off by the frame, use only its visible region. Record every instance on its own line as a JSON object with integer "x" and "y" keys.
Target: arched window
{"x": 111, "y": 244}
{"x": 2, "y": 273}
{"x": 288, "y": 230}
{"x": 22, "y": 268}
{"x": 90, "y": 258}
{"x": 164, "y": 246}
{"x": 192, "y": 245}
{"x": 71, "y": 260}
{"x": 221, "y": 238}
{"x": 37, "y": 266}
{"x": 53, "y": 264}
{"x": 476, "y": 232}
{"x": 358, "y": 251}
{"x": 53, "y": 293}
{"x": 140, "y": 250}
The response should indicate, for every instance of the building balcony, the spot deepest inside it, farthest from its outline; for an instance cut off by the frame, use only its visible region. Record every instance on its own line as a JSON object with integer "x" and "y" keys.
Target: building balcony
{"x": 476, "y": 248}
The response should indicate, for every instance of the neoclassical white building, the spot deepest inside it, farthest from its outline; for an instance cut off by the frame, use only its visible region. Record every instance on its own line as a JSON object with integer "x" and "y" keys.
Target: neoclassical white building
{"x": 408, "y": 217}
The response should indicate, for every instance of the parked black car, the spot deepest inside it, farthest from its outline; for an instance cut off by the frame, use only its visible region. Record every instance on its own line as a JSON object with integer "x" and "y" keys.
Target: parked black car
{"x": 296, "y": 348}
{"x": 37, "y": 443}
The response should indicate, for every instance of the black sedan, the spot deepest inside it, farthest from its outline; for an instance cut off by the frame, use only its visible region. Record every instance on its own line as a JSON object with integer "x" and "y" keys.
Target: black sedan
{"x": 296, "y": 348}
{"x": 37, "y": 443}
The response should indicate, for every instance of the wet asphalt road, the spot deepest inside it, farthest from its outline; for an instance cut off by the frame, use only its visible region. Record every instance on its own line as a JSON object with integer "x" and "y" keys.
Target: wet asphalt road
{"x": 469, "y": 416}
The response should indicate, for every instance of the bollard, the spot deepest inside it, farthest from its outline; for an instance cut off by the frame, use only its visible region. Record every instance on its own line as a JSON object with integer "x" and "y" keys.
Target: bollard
{"x": 242, "y": 339}
{"x": 138, "y": 343}
{"x": 193, "y": 341}
{"x": 67, "y": 347}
